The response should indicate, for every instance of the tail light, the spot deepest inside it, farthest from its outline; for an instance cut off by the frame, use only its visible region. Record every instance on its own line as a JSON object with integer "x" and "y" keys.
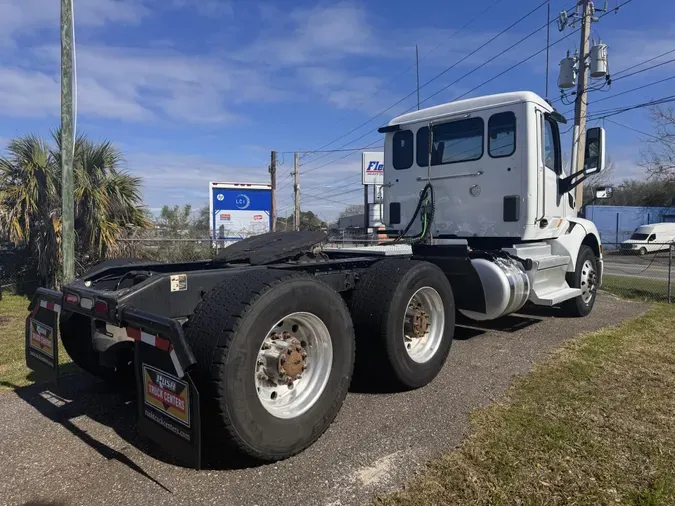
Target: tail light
{"x": 71, "y": 298}
{"x": 101, "y": 306}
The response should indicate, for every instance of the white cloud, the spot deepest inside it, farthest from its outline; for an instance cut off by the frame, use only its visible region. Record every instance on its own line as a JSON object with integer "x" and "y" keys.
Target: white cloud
{"x": 178, "y": 179}
{"x": 313, "y": 35}
{"x": 141, "y": 84}
{"x": 208, "y": 8}
{"x": 27, "y": 16}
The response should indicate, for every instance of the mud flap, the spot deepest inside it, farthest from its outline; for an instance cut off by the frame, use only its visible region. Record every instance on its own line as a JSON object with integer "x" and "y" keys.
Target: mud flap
{"x": 167, "y": 398}
{"x": 42, "y": 343}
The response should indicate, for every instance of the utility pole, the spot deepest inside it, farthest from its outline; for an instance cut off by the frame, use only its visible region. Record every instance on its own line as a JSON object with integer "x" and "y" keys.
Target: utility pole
{"x": 581, "y": 101}
{"x": 296, "y": 192}
{"x": 366, "y": 222}
{"x": 67, "y": 199}
{"x": 273, "y": 181}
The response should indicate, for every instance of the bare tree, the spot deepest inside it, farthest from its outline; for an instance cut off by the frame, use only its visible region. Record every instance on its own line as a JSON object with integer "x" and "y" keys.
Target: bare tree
{"x": 351, "y": 210}
{"x": 658, "y": 156}
{"x": 603, "y": 178}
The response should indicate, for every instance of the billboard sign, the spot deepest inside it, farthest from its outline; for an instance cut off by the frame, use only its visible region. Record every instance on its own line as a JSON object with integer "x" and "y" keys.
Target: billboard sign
{"x": 372, "y": 168}
{"x": 240, "y": 210}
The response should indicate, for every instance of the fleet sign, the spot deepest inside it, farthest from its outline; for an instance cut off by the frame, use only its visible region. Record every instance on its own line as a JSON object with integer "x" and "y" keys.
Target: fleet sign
{"x": 239, "y": 210}
{"x": 372, "y": 167}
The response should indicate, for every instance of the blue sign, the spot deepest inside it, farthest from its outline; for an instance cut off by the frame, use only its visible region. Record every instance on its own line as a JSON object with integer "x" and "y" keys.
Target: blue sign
{"x": 239, "y": 212}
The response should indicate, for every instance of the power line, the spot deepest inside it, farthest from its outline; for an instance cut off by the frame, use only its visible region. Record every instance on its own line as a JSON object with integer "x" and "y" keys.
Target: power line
{"x": 482, "y": 65}
{"x": 517, "y": 64}
{"x": 630, "y": 128}
{"x": 620, "y": 110}
{"x": 337, "y": 159}
{"x": 433, "y": 78}
{"x": 643, "y": 70}
{"x": 307, "y": 151}
{"x": 480, "y": 85}
{"x": 455, "y": 33}
{"x": 395, "y": 78}
{"x": 642, "y": 63}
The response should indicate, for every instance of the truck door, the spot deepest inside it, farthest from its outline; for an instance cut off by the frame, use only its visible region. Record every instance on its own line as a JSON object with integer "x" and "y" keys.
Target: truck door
{"x": 552, "y": 203}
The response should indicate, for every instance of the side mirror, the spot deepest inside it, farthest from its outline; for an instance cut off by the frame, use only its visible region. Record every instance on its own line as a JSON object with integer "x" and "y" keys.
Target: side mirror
{"x": 594, "y": 154}
{"x": 603, "y": 192}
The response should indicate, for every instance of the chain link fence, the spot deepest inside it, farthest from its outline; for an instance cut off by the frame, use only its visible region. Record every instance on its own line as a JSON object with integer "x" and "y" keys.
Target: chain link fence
{"x": 639, "y": 271}
{"x": 170, "y": 249}
{"x": 18, "y": 273}
{"x": 642, "y": 270}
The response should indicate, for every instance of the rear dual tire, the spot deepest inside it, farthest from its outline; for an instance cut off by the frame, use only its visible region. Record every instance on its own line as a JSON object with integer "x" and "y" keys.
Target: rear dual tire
{"x": 227, "y": 333}
{"x": 380, "y": 305}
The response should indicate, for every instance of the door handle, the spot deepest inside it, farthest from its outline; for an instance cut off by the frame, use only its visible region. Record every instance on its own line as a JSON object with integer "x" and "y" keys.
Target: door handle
{"x": 452, "y": 176}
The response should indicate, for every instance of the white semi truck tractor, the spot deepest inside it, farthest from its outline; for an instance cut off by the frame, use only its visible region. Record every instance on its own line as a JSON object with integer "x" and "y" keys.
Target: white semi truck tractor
{"x": 253, "y": 351}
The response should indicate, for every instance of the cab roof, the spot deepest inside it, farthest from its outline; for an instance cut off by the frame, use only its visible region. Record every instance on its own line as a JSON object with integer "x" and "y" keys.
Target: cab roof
{"x": 470, "y": 104}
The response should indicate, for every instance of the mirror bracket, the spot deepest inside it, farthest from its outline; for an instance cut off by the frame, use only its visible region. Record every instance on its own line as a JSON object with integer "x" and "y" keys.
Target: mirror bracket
{"x": 569, "y": 183}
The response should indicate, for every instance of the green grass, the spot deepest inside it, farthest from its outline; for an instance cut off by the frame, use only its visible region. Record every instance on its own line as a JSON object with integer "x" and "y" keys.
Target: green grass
{"x": 13, "y": 370}
{"x": 594, "y": 425}
{"x": 635, "y": 288}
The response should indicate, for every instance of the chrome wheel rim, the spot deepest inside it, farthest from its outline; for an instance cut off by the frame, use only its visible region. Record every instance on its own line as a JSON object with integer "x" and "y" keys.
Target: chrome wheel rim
{"x": 588, "y": 281}
{"x": 423, "y": 324}
{"x": 293, "y": 365}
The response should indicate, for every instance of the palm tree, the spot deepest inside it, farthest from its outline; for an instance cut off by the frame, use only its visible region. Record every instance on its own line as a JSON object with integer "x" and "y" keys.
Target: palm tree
{"x": 107, "y": 199}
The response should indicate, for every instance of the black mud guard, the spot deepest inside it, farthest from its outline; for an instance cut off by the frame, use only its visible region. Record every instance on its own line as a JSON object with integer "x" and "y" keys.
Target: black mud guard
{"x": 167, "y": 399}
{"x": 42, "y": 342}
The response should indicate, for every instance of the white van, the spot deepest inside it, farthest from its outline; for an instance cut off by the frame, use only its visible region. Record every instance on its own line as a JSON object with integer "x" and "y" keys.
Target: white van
{"x": 650, "y": 238}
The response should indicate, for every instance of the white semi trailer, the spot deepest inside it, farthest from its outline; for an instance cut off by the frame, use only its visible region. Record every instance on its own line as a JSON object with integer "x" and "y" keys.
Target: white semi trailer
{"x": 254, "y": 350}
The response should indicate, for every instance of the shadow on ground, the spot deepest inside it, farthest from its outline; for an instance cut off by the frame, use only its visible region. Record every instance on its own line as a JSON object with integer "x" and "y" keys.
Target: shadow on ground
{"x": 80, "y": 394}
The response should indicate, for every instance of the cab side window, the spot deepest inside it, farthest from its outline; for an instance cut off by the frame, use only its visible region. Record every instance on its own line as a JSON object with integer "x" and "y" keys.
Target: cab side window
{"x": 552, "y": 157}
{"x": 502, "y": 134}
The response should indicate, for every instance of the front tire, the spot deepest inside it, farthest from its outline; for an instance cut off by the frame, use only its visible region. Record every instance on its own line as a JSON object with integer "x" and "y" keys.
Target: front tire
{"x": 239, "y": 334}
{"x": 404, "y": 316}
{"x": 585, "y": 278}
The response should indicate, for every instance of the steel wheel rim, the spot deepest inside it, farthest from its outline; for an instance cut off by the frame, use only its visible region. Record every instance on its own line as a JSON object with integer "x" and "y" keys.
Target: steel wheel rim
{"x": 290, "y": 399}
{"x": 422, "y": 349}
{"x": 588, "y": 281}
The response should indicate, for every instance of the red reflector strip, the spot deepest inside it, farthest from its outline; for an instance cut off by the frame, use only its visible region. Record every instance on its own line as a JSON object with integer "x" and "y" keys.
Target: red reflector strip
{"x": 51, "y": 306}
{"x": 152, "y": 340}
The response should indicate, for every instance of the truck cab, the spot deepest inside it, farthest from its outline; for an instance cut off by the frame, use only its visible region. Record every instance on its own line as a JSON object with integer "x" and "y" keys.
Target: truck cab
{"x": 495, "y": 165}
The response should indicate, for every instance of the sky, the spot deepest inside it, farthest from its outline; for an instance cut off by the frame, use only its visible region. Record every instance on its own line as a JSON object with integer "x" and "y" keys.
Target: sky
{"x": 194, "y": 91}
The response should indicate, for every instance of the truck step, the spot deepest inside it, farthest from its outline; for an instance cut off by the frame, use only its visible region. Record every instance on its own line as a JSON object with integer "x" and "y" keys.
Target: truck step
{"x": 530, "y": 250}
{"x": 555, "y": 296}
{"x": 551, "y": 261}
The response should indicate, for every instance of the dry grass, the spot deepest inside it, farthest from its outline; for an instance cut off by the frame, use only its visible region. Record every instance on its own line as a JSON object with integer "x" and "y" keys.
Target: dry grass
{"x": 595, "y": 425}
{"x": 13, "y": 370}
{"x": 628, "y": 287}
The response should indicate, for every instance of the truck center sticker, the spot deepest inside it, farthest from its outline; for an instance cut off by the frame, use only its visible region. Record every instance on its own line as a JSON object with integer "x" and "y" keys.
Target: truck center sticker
{"x": 178, "y": 282}
{"x": 167, "y": 394}
{"x": 42, "y": 338}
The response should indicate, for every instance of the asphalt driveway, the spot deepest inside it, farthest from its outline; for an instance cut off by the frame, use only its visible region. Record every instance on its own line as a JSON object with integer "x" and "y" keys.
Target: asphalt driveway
{"x": 76, "y": 443}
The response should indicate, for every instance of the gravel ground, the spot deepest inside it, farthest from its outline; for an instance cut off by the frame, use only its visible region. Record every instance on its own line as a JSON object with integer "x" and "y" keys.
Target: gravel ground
{"x": 76, "y": 444}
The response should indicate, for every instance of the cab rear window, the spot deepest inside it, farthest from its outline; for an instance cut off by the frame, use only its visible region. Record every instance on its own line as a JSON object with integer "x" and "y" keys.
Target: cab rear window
{"x": 402, "y": 150}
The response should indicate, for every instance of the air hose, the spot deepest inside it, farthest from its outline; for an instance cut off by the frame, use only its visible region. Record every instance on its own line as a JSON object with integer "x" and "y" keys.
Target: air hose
{"x": 426, "y": 205}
